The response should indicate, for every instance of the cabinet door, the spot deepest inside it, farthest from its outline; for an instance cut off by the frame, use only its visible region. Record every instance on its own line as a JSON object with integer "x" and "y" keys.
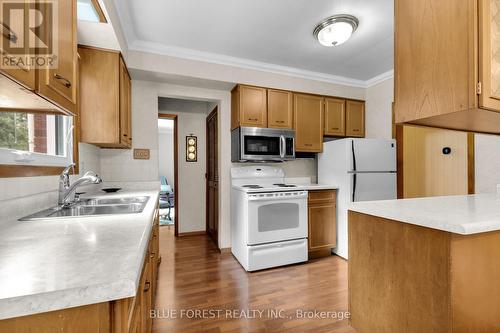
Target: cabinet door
{"x": 308, "y": 123}
{"x": 59, "y": 84}
{"x": 279, "y": 109}
{"x": 99, "y": 97}
{"x": 146, "y": 320}
{"x": 322, "y": 226}
{"x": 489, "y": 55}
{"x": 355, "y": 119}
{"x": 22, "y": 73}
{"x": 334, "y": 117}
{"x": 125, "y": 107}
{"x": 253, "y": 106}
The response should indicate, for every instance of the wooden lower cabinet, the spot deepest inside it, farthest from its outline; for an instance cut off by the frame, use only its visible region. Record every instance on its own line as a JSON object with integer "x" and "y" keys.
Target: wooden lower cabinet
{"x": 322, "y": 215}
{"x": 128, "y": 315}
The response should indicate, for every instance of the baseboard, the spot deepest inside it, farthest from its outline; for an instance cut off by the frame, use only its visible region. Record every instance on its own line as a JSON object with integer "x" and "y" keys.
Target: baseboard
{"x": 225, "y": 250}
{"x": 320, "y": 253}
{"x": 192, "y": 233}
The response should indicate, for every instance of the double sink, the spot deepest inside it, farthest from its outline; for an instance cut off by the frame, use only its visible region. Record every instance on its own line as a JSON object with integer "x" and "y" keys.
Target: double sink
{"x": 92, "y": 207}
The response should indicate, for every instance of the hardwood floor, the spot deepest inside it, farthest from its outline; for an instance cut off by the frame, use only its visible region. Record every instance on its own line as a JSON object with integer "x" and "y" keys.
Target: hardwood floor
{"x": 193, "y": 275}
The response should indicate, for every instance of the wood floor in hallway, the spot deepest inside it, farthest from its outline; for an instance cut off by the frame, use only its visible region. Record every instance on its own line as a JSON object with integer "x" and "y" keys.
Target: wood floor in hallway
{"x": 193, "y": 275}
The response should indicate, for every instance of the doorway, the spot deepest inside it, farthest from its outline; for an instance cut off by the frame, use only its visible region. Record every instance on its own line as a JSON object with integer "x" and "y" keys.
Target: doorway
{"x": 212, "y": 175}
{"x": 168, "y": 151}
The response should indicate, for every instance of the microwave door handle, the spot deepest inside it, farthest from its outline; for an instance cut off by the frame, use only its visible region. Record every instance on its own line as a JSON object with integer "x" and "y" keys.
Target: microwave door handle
{"x": 282, "y": 146}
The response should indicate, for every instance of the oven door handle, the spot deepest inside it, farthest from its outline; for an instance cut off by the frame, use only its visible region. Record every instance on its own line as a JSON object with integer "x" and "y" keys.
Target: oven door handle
{"x": 282, "y": 146}
{"x": 269, "y": 197}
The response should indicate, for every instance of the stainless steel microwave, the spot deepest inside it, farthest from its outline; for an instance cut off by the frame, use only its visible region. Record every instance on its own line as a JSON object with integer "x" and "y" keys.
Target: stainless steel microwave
{"x": 262, "y": 144}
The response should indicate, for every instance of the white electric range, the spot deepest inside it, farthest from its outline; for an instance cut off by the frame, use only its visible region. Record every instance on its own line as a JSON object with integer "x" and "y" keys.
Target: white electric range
{"x": 268, "y": 218}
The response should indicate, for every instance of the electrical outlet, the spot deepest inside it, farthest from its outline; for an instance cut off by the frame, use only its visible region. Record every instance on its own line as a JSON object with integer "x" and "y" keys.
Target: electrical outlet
{"x": 141, "y": 154}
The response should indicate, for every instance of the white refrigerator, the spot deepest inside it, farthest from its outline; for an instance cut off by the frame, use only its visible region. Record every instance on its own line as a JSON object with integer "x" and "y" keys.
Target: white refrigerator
{"x": 364, "y": 170}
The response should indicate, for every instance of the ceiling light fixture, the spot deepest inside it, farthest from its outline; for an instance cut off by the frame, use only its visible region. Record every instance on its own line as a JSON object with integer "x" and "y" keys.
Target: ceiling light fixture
{"x": 336, "y": 29}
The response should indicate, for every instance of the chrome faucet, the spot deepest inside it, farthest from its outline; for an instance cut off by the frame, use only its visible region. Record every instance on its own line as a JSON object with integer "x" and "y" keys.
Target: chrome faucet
{"x": 67, "y": 191}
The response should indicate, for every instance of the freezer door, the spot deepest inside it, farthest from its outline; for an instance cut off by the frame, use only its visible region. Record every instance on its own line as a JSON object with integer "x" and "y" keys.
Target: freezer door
{"x": 373, "y": 186}
{"x": 373, "y": 155}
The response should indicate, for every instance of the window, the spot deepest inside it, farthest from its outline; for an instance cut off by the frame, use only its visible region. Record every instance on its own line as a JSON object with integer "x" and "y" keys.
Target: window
{"x": 36, "y": 139}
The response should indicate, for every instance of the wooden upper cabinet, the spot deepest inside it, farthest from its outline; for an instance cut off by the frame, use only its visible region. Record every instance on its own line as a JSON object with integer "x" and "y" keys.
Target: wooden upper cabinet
{"x": 308, "y": 122}
{"x": 56, "y": 83}
{"x": 334, "y": 117}
{"x": 125, "y": 106}
{"x": 105, "y": 112}
{"x": 59, "y": 84}
{"x": 279, "y": 109}
{"x": 355, "y": 119}
{"x": 22, "y": 73}
{"x": 249, "y": 106}
{"x": 447, "y": 61}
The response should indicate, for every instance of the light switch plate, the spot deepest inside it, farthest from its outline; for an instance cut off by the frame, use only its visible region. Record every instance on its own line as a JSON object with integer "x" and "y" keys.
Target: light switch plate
{"x": 141, "y": 154}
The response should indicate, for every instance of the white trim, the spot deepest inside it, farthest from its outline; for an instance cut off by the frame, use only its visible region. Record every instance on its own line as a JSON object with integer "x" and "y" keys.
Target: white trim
{"x": 184, "y": 53}
{"x": 379, "y": 78}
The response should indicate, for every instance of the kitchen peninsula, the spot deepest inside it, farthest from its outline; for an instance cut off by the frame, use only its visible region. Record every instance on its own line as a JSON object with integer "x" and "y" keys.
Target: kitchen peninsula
{"x": 425, "y": 265}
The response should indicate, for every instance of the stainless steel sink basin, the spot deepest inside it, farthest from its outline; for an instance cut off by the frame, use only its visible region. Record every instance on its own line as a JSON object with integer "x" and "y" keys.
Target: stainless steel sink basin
{"x": 112, "y": 201}
{"x": 92, "y": 207}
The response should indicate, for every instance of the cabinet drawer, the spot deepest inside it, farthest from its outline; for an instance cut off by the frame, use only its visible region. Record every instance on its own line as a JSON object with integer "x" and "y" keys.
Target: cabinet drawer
{"x": 322, "y": 196}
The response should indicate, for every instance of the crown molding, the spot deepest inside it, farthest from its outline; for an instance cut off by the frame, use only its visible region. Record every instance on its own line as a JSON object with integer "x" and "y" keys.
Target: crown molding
{"x": 379, "y": 78}
{"x": 184, "y": 53}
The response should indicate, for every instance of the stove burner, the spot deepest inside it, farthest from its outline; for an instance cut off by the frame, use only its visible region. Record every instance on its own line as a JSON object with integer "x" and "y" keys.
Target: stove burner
{"x": 252, "y": 186}
{"x": 285, "y": 185}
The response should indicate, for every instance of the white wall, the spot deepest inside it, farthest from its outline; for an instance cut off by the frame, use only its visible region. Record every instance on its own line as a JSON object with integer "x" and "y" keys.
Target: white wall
{"x": 191, "y": 203}
{"x": 166, "y": 156}
{"x": 378, "y": 106}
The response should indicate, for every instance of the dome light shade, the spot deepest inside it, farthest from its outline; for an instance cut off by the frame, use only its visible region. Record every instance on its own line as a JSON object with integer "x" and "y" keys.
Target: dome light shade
{"x": 336, "y": 30}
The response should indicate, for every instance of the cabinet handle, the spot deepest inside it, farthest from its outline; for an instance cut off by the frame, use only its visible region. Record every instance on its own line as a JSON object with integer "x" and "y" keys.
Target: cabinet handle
{"x": 335, "y": 128}
{"x": 253, "y": 119}
{"x": 8, "y": 33}
{"x": 308, "y": 144}
{"x": 152, "y": 255}
{"x": 147, "y": 285}
{"x": 125, "y": 135}
{"x": 355, "y": 130}
{"x": 280, "y": 121}
{"x": 65, "y": 81}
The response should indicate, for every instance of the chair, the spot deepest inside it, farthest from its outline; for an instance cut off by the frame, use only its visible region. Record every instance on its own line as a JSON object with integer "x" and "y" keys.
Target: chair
{"x": 166, "y": 196}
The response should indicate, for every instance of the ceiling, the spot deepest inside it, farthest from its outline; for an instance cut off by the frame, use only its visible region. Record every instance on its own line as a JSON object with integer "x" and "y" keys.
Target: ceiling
{"x": 270, "y": 33}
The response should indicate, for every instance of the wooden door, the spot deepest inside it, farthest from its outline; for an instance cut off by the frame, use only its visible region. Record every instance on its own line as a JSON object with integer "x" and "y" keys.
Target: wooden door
{"x": 125, "y": 106}
{"x": 23, "y": 73}
{"x": 279, "y": 109}
{"x": 308, "y": 123}
{"x": 334, "y": 117}
{"x": 355, "y": 119}
{"x": 489, "y": 55}
{"x": 433, "y": 162}
{"x": 59, "y": 84}
{"x": 212, "y": 213}
{"x": 253, "y": 106}
{"x": 322, "y": 220}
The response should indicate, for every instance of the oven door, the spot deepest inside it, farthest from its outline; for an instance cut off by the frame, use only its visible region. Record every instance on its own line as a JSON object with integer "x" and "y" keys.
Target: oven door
{"x": 278, "y": 216}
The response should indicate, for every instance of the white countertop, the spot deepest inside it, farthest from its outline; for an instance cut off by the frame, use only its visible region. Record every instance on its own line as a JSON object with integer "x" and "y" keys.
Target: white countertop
{"x": 51, "y": 265}
{"x": 462, "y": 214}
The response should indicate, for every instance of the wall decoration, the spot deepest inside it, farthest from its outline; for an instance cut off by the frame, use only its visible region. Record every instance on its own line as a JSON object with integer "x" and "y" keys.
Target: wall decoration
{"x": 141, "y": 154}
{"x": 191, "y": 148}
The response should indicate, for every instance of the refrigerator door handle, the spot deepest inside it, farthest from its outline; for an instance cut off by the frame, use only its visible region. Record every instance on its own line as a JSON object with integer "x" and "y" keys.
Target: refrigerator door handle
{"x": 353, "y": 156}
{"x": 354, "y": 179}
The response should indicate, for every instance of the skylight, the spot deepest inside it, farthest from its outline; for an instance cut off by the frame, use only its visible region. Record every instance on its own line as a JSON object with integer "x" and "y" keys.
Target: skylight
{"x": 87, "y": 11}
